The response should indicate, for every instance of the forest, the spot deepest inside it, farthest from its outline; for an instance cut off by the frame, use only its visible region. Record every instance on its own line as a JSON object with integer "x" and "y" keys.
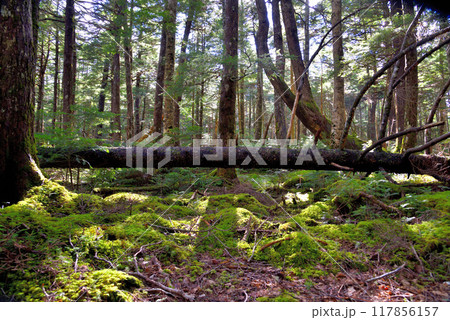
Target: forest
{"x": 224, "y": 150}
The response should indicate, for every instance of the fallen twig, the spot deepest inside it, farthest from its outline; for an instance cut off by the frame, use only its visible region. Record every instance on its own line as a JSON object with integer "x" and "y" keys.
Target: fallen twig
{"x": 386, "y": 274}
{"x": 418, "y": 258}
{"x": 173, "y": 291}
{"x": 274, "y": 242}
{"x": 381, "y": 204}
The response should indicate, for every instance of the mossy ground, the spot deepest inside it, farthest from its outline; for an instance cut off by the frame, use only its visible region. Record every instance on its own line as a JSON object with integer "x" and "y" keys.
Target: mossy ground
{"x": 60, "y": 245}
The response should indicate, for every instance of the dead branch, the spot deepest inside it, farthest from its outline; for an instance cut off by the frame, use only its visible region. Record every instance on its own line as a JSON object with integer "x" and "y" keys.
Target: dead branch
{"x": 386, "y": 274}
{"x": 274, "y": 242}
{"x": 381, "y": 204}
{"x": 399, "y": 134}
{"x": 104, "y": 260}
{"x": 408, "y": 152}
{"x": 378, "y": 74}
{"x": 173, "y": 291}
{"x": 341, "y": 167}
{"x": 418, "y": 258}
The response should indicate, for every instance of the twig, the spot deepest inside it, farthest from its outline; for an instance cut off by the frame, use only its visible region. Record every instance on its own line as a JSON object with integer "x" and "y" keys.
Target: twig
{"x": 105, "y": 260}
{"x": 75, "y": 265}
{"x": 341, "y": 167}
{"x": 152, "y": 282}
{"x": 418, "y": 258}
{"x": 246, "y": 296}
{"x": 387, "y": 274}
{"x": 274, "y": 242}
{"x": 381, "y": 204}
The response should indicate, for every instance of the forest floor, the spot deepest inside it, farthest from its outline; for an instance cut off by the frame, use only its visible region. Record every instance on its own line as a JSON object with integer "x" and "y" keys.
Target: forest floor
{"x": 184, "y": 235}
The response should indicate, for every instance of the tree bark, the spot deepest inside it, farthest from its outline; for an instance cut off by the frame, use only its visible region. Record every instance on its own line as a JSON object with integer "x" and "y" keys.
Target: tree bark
{"x": 251, "y": 157}
{"x": 338, "y": 112}
{"x": 400, "y": 91}
{"x": 259, "y": 122}
{"x": 159, "y": 98}
{"x": 67, "y": 81}
{"x": 43, "y": 61}
{"x": 227, "y": 104}
{"x": 116, "y": 134}
{"x": 411, "y": 84}
{"x": 280, "y": 117}
{"x": 18, "y": 170}
{"x": 102, "y": 96}
{"x": 128, "y": 61}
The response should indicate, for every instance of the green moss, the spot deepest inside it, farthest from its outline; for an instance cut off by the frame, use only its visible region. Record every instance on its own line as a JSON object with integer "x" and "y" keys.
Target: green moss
{"x": 296, "y": 250}
{"x": 125, "y": 198}
{"x": 220, "y": 230}
{"x": 283, "y": 297}
{"x": 51, "y": 196}
{"x": 101, "y": 285}
{"x": 214, "y": 204}
{"x": 318, "y": 211}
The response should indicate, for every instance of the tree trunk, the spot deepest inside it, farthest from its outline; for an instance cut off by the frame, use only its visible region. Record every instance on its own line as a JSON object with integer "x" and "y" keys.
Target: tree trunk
{"x": 137, "y": 102}
{"x": 411, "y": 84}
{"x": 56, "y": 75}
{"x": 115, "y": 97}
{"x": 67, "y": 81}
{"x": 338, "y": 113}
{"x": 227, "y": 104}
{"x": 181, "y": 63}
{"x": 102, "y": 96}
{"x": 129, "y": 88}
{"x": 169, "y": 103}
{"x": 306, "y": 158}
{"x": 43, "y": 61}
{"x": 259, "y": 122}
{"x": 400, "y": 91}
{"x": 280, "y": 117}
{"x": 18, "y": 170}
{"x": 159, "y": 98}
{"x": 241, "y": 108}
{"x": 371, "y": 121}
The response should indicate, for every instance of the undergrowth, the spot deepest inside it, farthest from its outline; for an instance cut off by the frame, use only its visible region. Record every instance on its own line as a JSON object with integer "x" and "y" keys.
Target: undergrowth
{"x": 59, "y": 245}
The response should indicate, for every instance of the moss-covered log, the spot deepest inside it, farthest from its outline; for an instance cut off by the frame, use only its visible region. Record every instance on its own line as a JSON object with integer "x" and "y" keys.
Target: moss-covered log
{"x": 246, "y": 157}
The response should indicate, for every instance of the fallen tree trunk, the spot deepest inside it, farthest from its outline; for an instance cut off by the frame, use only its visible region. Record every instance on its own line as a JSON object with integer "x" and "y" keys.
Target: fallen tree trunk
{"x": 245, "y": 157}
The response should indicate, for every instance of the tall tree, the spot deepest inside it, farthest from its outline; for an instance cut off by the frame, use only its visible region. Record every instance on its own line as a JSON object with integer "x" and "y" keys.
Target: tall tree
{"x": 128, "y": 59}
{"x": 56, "y": 73}
{"x": 400, "y": 91}
{"x": 411, "y": 83}
{"x": 338, "y": 112}
{"x": 259, "y": 121}
{"x": 116, "y": 24}
{"x": 102, "y": 95}
{"x": 159, "y": 88}
{"x": 227, "y": 104}
{"x": 18, "y": 29}
{"x": 169, "y": 103}
{"x": 69, "y": 61}
{"x": 280, "y": 118}
{"x": 181, "y": 63}
{"x": 43, "y": 61}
